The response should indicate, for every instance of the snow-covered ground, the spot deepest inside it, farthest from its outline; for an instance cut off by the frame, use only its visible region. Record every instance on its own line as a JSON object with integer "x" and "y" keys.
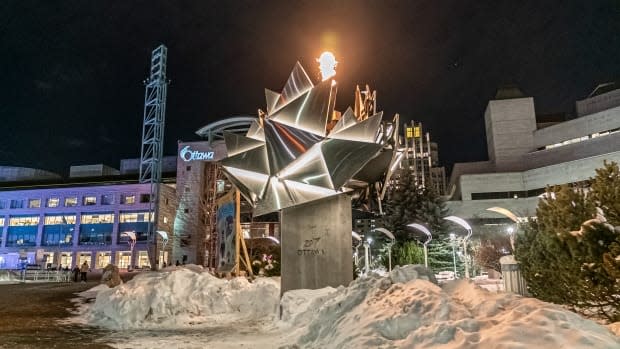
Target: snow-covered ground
{"x": 188, "y": 308}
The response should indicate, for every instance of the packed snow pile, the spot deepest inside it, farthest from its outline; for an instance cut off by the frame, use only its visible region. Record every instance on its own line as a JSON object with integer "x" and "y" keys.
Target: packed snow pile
{"x": 378, "y": 313}
{"x": 401, "y": 310}
{"x": 180, "y": 297}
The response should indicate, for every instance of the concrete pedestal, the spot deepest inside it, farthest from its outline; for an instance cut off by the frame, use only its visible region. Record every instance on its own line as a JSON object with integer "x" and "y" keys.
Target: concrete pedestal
{"x": 316, "y": 244}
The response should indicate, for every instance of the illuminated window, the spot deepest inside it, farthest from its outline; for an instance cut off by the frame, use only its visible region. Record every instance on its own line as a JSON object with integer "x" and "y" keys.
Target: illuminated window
{"x": 89, "y": 200}
{"x": 71, "y": 201}
{"x": 132, "y": 217}
{"x": 97, "y": 218}
{"x": 128, "y": 199}
{"x": 34, "y": 203}
{"x": 18, "y": 221}
{"x": 53, "y": 202}
{"x": 1, "y": 222}
{"x": 409, "y": 133}
{"x": 107, "y": 199}
{"x": 60, "y": 219}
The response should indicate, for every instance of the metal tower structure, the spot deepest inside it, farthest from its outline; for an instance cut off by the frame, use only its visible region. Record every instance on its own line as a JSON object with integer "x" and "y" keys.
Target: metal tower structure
{"x": 153, "y": 139}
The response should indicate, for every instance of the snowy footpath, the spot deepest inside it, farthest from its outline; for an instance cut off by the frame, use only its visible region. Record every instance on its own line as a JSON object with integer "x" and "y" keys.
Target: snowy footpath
{"x": 189, "y": 308}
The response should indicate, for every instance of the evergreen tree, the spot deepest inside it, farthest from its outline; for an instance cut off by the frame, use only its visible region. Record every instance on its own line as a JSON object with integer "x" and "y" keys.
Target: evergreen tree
{"x": 408, "y": 202}
{"x": 569, "y": 253}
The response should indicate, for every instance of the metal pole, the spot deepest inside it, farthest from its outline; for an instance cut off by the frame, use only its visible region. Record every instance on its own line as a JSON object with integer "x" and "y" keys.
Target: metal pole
{"x": 390, "y": 257}
{"x": 425, "y": 256}
{"x": 366, "y": 257}
{"x": 454, "y": 257}
{"x": 466, "y": 258}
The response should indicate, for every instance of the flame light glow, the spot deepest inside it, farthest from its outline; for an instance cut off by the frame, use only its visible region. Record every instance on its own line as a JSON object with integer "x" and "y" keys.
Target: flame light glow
{"x": 327, "y": 65}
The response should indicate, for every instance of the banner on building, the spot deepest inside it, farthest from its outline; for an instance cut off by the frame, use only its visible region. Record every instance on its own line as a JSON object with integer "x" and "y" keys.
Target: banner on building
{"x": 227, "y": 232}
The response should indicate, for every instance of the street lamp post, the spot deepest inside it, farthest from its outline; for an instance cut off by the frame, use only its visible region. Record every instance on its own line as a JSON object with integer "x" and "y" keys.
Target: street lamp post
{"x": 367, "y": 254}
{"x": 453, "y": 243}
{"x": 429, "y": 237}
{"x": 464, "y": 224}
{"x": 392, "y": 239}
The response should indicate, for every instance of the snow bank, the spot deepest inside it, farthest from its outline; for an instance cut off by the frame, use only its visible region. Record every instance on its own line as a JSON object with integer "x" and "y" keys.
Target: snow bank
{"x": 415, "y": 313}
{"x": 402, "y": 310}
{"x": 182, "y": 297}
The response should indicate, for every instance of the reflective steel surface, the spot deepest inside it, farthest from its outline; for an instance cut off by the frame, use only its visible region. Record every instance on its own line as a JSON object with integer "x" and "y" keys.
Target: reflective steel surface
{"x": 290, "y": 156}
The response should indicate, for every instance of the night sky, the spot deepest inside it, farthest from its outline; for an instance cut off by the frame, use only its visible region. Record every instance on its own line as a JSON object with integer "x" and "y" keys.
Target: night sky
{"x": 72, "y": 71}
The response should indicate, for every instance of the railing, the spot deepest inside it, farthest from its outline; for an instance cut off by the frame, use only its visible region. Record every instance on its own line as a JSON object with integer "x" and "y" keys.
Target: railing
{"x": 43, "y": 275}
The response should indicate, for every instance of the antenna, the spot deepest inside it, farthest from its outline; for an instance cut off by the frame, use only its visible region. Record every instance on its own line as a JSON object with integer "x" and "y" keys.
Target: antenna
{"x": 153, "y": 140}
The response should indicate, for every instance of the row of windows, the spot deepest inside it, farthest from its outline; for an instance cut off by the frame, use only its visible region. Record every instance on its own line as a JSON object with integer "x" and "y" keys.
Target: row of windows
{"x": 57, "y": 236}
{"x": 86, "y": 218}
{"x": 507, "y": 194}
{"x": 72, "y": 201}
{"x": 580, "y": 139}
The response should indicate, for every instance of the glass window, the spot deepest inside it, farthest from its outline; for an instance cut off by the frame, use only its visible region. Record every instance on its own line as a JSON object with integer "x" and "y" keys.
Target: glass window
{"x": 107, "y": 199}
{"x": 2, "y": 204}
{"x": 58, "y": 235}
{"x": 60, "y": 219}
{"x": 123, "y": 258}
{"x": 143, "y": 259}
{"x": 103, "y": 259}
{"x": 89, "y": 200}
{"x": 18, "y": 236}
{"x": 84, "y": 257}
{"x": 97, "y": 218}
{"x": 71, "y": 201}
{"x": 17, "y": 203}
{"x": 17, "y": 221}
{"x": 34, "y": 203}
{"x": 96, "y": 234}
{"x": 128, "y": 199}
{"x": 144, "y": 198}
{"x": 132, "y": 217}
{"x": 53, "y": 202}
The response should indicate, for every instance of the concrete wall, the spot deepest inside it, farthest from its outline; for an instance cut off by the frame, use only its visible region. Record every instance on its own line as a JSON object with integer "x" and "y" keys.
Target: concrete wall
{"x": 96, "y": 170}
{"x": 597, "y": 103}
{"x": 586, "y": 125}
{"x": 510, "y": 124}
{"x": 14, "y": 174}
{"x": 316, "y": 244}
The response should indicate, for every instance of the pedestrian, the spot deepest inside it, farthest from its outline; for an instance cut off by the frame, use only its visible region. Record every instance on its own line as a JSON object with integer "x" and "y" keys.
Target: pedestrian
{"x": 76, "y": 272}
{"x": 84, "y": 270}
{"x": 164, "y": 265}
{"x": 177, "y": 264}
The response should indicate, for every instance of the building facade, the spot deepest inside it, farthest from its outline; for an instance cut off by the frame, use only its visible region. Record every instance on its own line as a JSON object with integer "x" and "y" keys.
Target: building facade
{"x": 526, "y": 156}
{"x": 64, "y": 224}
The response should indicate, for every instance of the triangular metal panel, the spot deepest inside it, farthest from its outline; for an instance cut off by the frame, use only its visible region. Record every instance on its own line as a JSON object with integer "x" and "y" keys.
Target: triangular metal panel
{"x": 311, "y": 111}
{"x": 271, "y": 98}
{"x": 375, "y": 168}
{"x": 298, "y": 83}
{"x": 254, "y": 160}
{"x": 285, "y": 144}
{"x": 236, "y": 144}
{"x": 250, "y": 184}
{"x": 275, "y": 198}
{"x": 364, "y": 131}
{"x": 302, "y": 193}
{"x": 309, "y": 168}
{"x": 346, "y": 120}
{"x": 256, "y": 131}
{"x": 344, "y": 158}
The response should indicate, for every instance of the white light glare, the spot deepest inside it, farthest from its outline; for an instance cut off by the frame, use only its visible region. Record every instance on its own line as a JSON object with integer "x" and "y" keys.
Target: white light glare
{"x": 327, "y": 65}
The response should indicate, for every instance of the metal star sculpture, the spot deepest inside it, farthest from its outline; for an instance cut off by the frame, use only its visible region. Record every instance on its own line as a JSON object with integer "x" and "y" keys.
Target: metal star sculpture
{"x": 294, "y": 153}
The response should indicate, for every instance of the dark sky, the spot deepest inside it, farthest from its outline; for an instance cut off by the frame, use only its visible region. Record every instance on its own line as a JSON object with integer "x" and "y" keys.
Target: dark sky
{"x": 72, "y": 71}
